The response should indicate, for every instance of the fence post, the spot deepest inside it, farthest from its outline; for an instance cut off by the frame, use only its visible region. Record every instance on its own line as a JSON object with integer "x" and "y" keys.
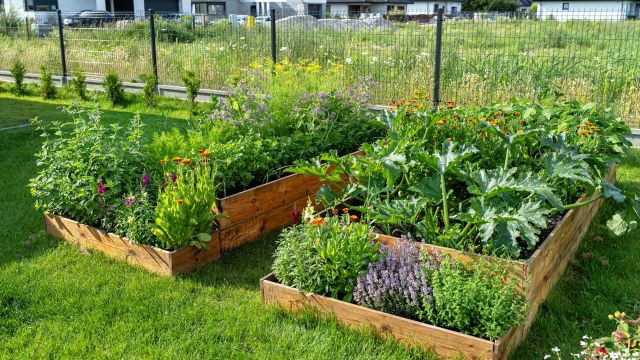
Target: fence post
{"x": 26, "y": 22}
{"x": 154, "y": 60}
{"x": 273, "y": 37}
{"x": 438, "y": 58}
{"x": 62, "y": 50}
{"x": 6, "y": 22}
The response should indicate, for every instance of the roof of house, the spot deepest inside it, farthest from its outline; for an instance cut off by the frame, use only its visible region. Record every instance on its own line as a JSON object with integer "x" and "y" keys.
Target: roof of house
{"x": 526, "y": 2}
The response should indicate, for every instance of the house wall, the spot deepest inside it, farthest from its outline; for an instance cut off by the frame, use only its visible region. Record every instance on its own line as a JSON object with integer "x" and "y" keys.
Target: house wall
{"x": 584, "y": 10}
{"x": 338, "y": 9}
{"x": 66, "y": 6}
{"x": 426, "y": 7}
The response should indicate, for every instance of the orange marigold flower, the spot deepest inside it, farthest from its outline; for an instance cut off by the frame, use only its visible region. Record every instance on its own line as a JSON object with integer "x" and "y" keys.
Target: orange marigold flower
{"x": 202, "y": 150}
{"x": 454, "y": 126}
{"x": 506, "y": 132}
{"x": 449, "y": 139}
{"x": 496, "y": 113}
{"x": 180, "y": 202}
{"x": 186, "y": 161}
{"x": 345, "y": 210}
{"x": 334, "y": 211}
{"x": 176, "y": 159}
{"x": 517, "y": 114}
{"x": 163, "y": 161}
{"x": 407, "y": 103}
{"x": 473, "y": 120}
{"x": 318, "y": 221}
{"x": 583, "y": 132}
{"x": 353, "y": 217}
{"x": 205, "y": 154}
{"x": 456, "y": 116}
{"x": 440, "y": 122}
{"x": 577, "y": 126}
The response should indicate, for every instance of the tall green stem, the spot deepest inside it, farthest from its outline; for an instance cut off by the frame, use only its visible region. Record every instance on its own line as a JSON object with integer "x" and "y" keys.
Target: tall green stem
{"x": 507, "y": 158}
{"x": 584, "y": 203}
{"x": 445, "y": 204}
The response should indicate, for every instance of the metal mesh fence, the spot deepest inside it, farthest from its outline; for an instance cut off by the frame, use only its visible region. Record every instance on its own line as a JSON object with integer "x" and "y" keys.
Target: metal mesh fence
{"x": 486, "y": 57}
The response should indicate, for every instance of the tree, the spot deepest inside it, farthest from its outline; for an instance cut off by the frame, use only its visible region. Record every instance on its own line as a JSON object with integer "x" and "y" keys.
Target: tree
{"x": 490, "y": 5}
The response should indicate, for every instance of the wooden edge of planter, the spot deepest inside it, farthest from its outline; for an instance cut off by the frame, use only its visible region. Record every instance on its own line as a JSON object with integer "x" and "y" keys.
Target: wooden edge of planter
{"x": 258, "y": 200}
{"x": 250, "y": 230}
{"x": 444, "y": 342}
{"x": 156, "y": 260}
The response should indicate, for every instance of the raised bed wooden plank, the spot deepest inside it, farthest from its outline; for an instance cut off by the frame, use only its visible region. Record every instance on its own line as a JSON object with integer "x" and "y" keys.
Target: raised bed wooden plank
{"x": 444, "y": 342}
{"x": 256, "y": 201}
{"x": 154, "y": 259}
{"x": 251, "y": 229}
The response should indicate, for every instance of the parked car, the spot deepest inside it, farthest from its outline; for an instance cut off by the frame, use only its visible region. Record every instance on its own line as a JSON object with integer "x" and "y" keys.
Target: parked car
{"x": 175, "y": 18}
{"x": 89, "y": 18}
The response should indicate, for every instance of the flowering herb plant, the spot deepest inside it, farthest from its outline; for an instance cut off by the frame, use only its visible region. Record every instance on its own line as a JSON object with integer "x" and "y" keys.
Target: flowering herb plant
{"x": 325, "y": 255}
{"x": 528, "y": 161}
{"x": 183, "y": 213}
{"x": 623, "y": 344}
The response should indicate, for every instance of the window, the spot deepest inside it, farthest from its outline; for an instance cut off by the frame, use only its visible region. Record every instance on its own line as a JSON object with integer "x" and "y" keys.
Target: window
{"x": 41, "y": 5}
{"x": 565, "y": 6}
{"x": 315, "y": 10}
{"x": 435, "y": 8}
{"x": 454, "y": 9}
{"x": 209, "y": 8}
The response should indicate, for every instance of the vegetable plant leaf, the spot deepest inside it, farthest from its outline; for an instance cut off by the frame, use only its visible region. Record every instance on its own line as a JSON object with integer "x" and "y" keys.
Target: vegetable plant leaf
{"x": 610, "y": 191}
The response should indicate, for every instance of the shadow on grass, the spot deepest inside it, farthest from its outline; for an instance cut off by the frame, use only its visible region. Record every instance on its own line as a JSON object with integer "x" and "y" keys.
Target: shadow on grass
{"x": 241, "y": 267}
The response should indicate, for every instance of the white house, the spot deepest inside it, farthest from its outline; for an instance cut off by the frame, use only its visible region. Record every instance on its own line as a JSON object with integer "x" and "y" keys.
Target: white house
{"x": 354, "y": 8}
{"x": 588, "y": 10}
{"x": 28, "y": 7}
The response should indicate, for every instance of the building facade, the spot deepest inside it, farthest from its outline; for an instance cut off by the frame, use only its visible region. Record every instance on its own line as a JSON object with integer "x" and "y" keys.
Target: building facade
{"x": 588, "y": 10}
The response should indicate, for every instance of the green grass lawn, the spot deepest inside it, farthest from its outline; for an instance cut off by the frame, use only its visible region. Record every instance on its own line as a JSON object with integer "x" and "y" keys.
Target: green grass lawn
{"x": 57, "y": 300}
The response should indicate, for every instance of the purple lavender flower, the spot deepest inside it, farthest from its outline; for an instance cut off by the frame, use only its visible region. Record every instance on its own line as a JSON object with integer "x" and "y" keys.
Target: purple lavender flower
{"x": 129, "y": 201}
{"x": 145, "y": 180}
{"x": 398, "y": 282}
{"x": 101, "y": 188}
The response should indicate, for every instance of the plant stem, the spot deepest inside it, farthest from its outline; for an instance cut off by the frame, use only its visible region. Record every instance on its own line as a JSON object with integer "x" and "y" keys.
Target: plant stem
{"x": 464, "y": 232}
{"x": 445, "y": 205}
{"x": 507, "y": 158}
{"x": 584, "y": 203}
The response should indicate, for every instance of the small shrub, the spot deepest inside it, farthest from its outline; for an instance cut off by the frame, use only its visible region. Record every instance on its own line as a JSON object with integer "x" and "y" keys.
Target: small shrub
{"x": 183, "y": 211}
{"x": 47, "y": 89}
{"x": 192, "y": 83}
{"x": 85, "y": 167}
{"x": 79, "y": 85}
{"x": 398, "y": 282}
{"x": 474, "y": 300}
{"x": 134, "y": 216}
{"x": 325, "y": 255}
{"x": 114, "y": 90}
{"x": 149, "y": 89}
{"x": 18, "y": 71}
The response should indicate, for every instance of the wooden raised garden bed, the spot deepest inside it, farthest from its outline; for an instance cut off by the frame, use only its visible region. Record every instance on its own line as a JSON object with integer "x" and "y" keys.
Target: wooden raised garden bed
{"x": 538, "y": 275}
{"x": 154, "y": 259}
{"x": 264, "y": 208}
{"x": 248, "y": 215}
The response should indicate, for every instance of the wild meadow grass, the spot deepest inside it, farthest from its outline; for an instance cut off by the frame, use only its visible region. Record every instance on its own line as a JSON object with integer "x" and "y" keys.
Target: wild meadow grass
{"x": 482, "y": 61}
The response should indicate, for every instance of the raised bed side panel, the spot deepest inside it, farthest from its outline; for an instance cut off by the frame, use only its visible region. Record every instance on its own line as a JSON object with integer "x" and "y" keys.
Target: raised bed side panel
{"x": 265, "y": 198}
{"x": 547, "y": 264}
{"x": 154, "y": 259}
{"x": 444, "y": 342}
{"x": 251, "y": 229}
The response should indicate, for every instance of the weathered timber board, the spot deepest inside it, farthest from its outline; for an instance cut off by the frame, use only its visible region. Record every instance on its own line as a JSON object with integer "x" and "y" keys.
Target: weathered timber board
{"x": 256, "y": 201}
{"x": 154, "y": 259}
{"x": 444, "y": 342}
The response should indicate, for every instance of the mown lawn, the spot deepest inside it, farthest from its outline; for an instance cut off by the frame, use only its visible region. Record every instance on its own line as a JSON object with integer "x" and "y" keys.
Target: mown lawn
{"x": 57, "y": 300}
